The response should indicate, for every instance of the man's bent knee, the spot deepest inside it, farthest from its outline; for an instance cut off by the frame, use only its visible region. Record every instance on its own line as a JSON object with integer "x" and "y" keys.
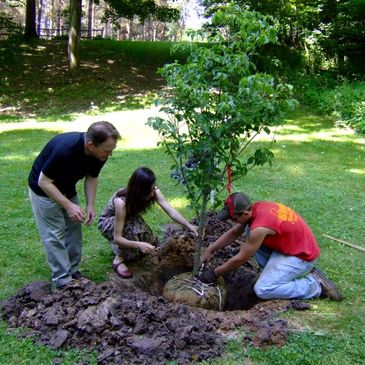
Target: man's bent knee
{"x": 263, "y": 293}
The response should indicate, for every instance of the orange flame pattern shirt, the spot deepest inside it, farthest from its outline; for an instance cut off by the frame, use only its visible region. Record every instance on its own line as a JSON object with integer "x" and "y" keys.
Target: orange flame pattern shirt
{"x": 292, "y": 234}
{"x": 284, "y": 213}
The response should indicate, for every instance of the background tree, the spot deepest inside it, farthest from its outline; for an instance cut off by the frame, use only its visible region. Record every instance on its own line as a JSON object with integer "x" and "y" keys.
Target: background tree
{"x": 126, "y": 8}
{"x": 30, "y": 31}
{"x": 342, "y": 35}
{"x": 144, "y": 10}
{"x": 74, "y": 36}
{"x": 217, "y": 103}
{"x": 327, "y": 32}
{"x": 90, "y": 18}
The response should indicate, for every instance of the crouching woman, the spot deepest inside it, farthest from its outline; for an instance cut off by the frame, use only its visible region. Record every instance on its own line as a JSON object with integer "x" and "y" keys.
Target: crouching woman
{"x": 122, "y": 224}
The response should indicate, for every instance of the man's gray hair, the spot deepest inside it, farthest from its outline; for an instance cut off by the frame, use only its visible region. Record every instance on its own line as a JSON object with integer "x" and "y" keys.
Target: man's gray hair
{"x": 99, "y": 132}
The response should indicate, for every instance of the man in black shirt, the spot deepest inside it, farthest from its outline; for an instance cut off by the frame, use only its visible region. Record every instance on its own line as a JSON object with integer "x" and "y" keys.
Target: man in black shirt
{"x": 66, "y": 159}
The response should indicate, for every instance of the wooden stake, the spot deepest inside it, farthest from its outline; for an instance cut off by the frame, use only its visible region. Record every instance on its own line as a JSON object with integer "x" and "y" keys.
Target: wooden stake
{"x": 345, "y": 243}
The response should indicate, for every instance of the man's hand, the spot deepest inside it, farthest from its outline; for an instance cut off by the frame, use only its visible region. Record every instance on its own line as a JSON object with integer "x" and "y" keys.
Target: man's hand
{"x": 75, "y": 212}
{"x": 208, "y": 277}
{"x": 207, "y": 256}
{"x": 90, "y": 215}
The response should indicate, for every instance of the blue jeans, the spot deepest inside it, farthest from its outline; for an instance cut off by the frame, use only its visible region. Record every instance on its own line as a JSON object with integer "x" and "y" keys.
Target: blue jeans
{"x": 285, "y": 277}
{"x": 61, "y": 237}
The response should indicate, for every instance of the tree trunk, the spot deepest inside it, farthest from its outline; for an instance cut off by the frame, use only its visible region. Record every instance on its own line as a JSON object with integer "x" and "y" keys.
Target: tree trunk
{"x": 58, "y": 20}
{"x": 52, "y": 19}
{"x": 130, "y": 28}
{"x": 143, "y": 35}
{"x": 40, "y": 16}
{"x": 199, "y": 241}
{"x": 30, "y": 31}
{"x": 74, "y": 36}
{"x": 90, "y": 18}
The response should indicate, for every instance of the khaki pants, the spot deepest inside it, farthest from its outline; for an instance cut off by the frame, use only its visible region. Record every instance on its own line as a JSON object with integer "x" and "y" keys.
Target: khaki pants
{"x": 61, "y": 237}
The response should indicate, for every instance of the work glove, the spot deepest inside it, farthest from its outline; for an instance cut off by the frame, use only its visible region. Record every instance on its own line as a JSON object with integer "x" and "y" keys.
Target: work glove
{"x": 208, "y": 277}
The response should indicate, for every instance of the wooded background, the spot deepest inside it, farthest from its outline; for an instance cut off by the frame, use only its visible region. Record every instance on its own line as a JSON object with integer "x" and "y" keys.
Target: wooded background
{"x": 328, "y": 34}
{"x": 121, "y": 20}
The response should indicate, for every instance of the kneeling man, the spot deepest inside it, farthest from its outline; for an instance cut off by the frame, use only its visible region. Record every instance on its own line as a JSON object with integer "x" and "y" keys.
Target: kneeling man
{"x": 284, "y": 247}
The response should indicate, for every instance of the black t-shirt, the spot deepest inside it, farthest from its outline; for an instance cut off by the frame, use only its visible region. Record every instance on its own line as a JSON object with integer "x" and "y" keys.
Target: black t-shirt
{"x": 64, "y": 161}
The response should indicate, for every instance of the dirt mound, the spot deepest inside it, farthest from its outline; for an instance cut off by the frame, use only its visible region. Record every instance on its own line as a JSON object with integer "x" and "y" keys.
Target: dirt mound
{"x": 129, "y": 322}
{"x": 124, "y": 324}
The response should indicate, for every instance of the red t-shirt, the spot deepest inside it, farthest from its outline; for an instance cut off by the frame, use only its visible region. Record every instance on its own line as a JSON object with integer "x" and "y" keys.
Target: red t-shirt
{"x": 293, "y": 236}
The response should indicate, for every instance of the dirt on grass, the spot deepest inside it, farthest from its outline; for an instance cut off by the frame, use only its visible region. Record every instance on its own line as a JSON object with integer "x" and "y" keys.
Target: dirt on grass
{"x": 129, "y": 322}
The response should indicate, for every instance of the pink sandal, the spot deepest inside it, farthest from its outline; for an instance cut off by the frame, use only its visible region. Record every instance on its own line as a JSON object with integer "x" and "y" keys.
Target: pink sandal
{"x": 126, "y": 274}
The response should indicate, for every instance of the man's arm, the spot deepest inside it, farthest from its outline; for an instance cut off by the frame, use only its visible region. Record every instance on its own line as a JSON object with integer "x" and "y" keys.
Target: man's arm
{"x": 223, "y": 241}
{"x": 73, "y": 210}
{"x": 247, "y": 250}
{"x": 90, "y": 186}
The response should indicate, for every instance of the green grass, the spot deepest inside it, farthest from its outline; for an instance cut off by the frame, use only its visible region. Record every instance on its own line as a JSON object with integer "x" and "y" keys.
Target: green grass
{"x": 318, "y": 170}
{"x": 117, "y": 76}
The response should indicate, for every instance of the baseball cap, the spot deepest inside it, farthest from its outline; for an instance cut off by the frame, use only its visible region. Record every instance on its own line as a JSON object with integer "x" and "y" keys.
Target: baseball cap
{"x": 239, "y": 202}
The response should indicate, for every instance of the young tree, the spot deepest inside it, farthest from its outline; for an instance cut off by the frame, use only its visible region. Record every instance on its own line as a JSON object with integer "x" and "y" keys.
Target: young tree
{"x": 217, "y": 103}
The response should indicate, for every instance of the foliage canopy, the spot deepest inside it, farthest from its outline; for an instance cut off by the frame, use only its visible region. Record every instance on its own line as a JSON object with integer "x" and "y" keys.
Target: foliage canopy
{"x": 144, "y": 9}
{"x": 330, "y": 33}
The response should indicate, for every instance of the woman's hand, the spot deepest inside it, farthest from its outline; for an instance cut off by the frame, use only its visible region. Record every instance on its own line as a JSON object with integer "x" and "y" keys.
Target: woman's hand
{"x": 146, "y": 247}
{"x": 193, "y": 229}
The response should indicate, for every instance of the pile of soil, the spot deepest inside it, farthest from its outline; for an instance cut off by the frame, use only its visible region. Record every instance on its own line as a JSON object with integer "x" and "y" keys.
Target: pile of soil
{"x": 128, "y": 321}
{"x": 121, "y": 322}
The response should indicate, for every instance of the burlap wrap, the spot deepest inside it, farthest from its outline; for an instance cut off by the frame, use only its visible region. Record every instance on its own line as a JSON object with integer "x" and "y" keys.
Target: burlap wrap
{"x": 185, "y": 289}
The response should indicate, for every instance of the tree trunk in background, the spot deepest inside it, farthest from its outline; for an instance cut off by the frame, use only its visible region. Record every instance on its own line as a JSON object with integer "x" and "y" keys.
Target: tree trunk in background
{"x": 40, "y": 16}
{"x": 130, "y": 29}
{"x": 52, "y": 18}
{"x": 149, "y": 29}
{"x": 58, "y": 19}
{"x": 106, "y": 31}
{"x": 90, "y": 19}
{"x": 74, "y": 36}
{"x": 142, "y": 32}
{"x": 30, "y": 31}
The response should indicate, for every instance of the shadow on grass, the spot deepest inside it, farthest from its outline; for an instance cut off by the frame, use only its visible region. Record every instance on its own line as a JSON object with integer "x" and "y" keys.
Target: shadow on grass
{"x": 113, "y": 76}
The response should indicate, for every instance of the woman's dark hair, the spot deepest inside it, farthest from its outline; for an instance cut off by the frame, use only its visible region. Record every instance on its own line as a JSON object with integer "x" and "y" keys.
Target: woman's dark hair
{"x": 139, "y": 187}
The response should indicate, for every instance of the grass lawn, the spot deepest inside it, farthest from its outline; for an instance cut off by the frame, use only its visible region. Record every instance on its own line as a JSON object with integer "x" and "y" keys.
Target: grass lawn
{"x": 318, "y": 170}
